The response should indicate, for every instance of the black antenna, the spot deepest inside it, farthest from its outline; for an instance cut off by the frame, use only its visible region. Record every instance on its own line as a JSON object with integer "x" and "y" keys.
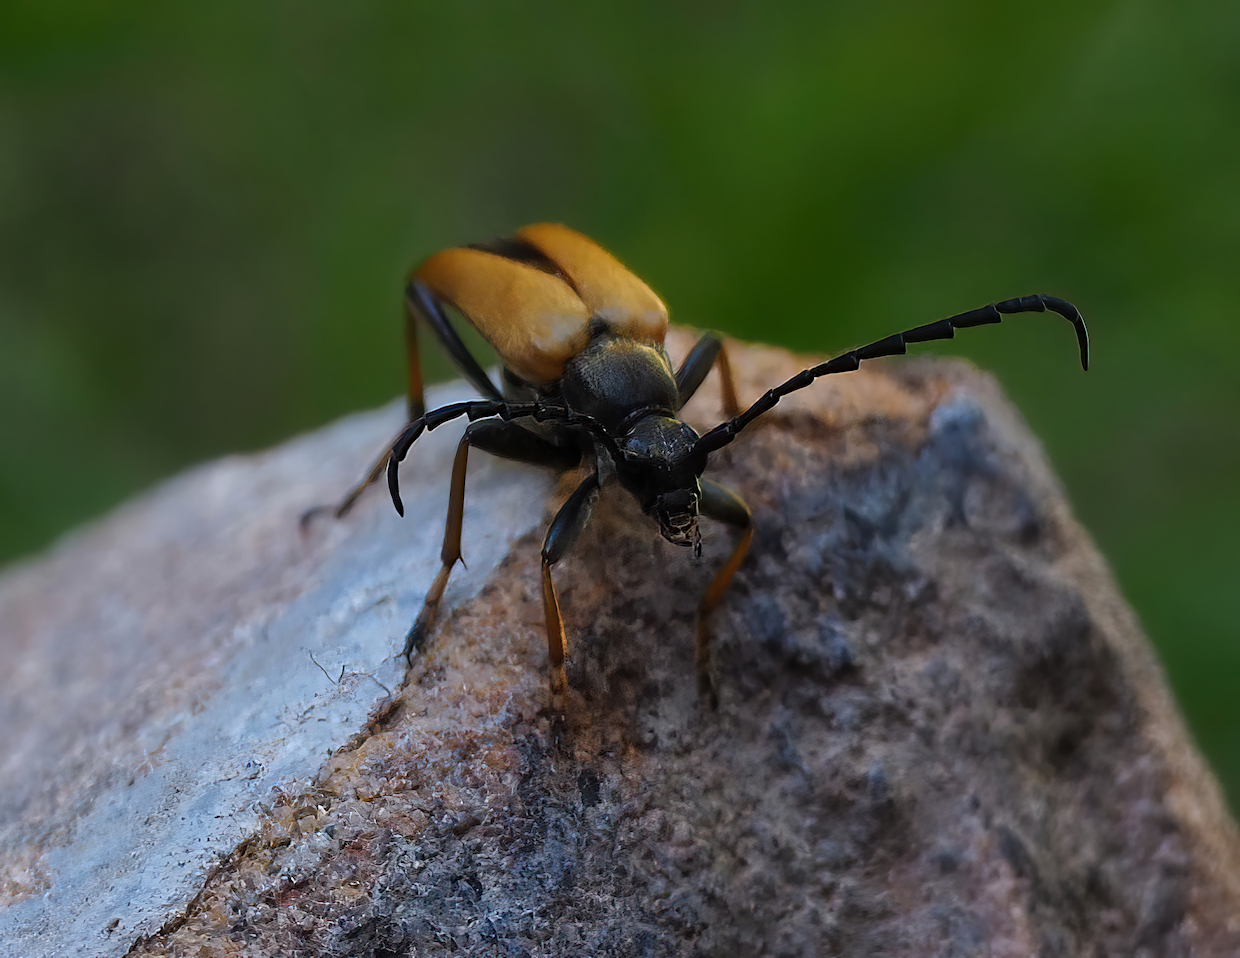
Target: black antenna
{"x": 897, "y": 345}
{"x": 482, "y": 409}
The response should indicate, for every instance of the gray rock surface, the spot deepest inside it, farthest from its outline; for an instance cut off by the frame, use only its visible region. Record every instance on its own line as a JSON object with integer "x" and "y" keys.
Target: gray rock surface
{"x": 169, "y": 672}
{"x": 940, "y": 730}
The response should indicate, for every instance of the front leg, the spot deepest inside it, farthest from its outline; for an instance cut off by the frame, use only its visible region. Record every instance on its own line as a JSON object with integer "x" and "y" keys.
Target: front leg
{"x": 510, "y": 441}
{"x": 565, "y": 528}
{"x": 719, "y": 502}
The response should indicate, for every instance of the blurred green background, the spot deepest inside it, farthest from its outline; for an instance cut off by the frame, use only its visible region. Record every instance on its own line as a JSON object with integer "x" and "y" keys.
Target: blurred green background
{"x": 206, "y": 211}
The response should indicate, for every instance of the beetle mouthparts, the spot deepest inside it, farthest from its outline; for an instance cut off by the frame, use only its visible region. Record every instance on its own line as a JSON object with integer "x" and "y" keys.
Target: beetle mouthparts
{"x": 682, "y": 530}
{"x": 680, "y": 536}
{"x": 677, "y": 515}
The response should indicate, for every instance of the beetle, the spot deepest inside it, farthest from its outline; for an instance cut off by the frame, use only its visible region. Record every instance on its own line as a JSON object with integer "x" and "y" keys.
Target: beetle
{"x": 586, "y": 380}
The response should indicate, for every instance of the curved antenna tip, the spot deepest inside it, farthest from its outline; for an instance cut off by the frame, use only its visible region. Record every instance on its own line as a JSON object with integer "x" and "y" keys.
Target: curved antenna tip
{"x": 393, "y": 478}
{"x": 1072, "y": 315}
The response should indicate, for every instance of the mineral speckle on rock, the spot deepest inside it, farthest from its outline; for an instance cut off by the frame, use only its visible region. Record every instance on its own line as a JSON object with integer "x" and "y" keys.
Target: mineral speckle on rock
{"x": 939, "y": 731}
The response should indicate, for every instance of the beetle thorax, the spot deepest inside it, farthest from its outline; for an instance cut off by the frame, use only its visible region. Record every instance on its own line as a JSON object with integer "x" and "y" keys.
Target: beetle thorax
{"x": 618, "y": 380}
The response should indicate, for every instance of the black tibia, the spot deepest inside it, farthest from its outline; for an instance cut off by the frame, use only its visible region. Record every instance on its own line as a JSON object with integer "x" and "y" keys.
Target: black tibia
{"x": 423, "y": 303}
{"x": 570, "y": 520}
{"x": 565, "y": 528}
{"x": 721, "y": 503}
{"x": 896, "y": 345}
{"x": 707, "y": 351}
{"x": 501, "y": 439}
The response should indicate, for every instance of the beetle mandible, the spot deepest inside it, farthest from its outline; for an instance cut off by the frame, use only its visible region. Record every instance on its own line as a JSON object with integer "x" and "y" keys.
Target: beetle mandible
{"x": 587, "y": 381}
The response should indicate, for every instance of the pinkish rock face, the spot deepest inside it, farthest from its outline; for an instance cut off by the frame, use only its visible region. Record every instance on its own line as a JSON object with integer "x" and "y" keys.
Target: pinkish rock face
{"x": 938, "y": 725}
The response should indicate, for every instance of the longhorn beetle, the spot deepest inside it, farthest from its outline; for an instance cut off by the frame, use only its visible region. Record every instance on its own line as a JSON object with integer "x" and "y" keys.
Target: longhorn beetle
{"x": 586, "y": 380}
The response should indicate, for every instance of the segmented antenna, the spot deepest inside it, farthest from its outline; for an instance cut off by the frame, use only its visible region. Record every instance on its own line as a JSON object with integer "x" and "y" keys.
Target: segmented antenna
{"x": 482, "y": 409}
{"x": 897, "y": 345}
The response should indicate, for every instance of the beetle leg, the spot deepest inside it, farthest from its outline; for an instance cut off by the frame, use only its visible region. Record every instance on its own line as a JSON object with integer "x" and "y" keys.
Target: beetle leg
{"x": 413, "y": 359}
{"x": 706, "y": 352}
{"x": 422, "y": 302}
{"x": 510, "y": 441}
{"x": 565, "y": 528}
{"x": 341, "y": 509}
{"x": 719, "y": 502}
{"x": 448, "y": 553}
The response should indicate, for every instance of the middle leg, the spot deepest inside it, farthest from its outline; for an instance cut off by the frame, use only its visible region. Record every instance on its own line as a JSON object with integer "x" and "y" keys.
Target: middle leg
{"x": 508, "y": 440}
{"x": 720, "y": 502}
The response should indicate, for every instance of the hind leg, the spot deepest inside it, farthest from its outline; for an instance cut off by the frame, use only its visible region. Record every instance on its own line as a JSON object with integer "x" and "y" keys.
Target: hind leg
{"x": 422, "y": 305}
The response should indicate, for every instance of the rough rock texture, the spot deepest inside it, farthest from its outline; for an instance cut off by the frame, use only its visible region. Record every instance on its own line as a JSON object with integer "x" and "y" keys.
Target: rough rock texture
{"x": 940, "y": 730}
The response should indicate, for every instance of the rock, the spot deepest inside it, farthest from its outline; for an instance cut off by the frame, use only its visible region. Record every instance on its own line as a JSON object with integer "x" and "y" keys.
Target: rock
{"x": 939, "y": 731}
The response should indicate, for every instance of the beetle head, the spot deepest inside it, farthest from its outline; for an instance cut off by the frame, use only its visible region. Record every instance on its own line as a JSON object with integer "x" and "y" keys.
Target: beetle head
{"x": 658, "y": 464}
